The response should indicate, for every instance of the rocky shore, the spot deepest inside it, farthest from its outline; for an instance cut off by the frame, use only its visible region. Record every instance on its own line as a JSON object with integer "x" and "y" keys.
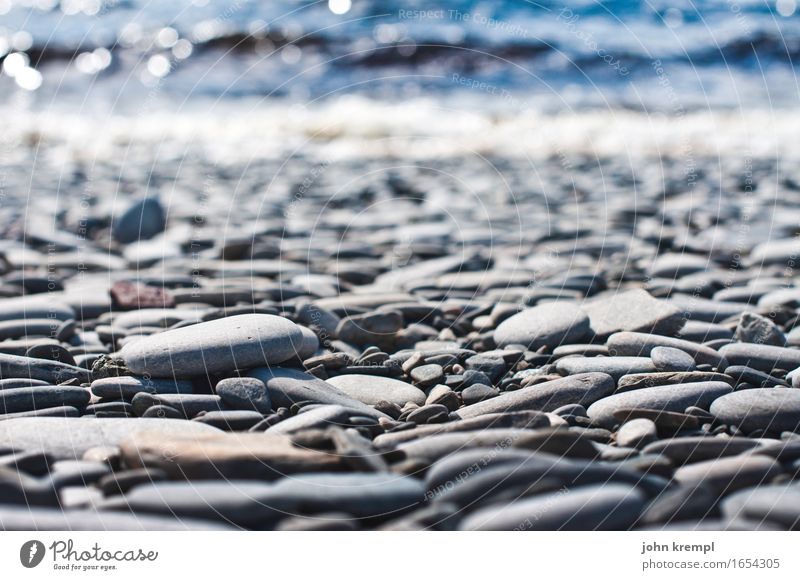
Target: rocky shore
{"x": 587, "y": 344}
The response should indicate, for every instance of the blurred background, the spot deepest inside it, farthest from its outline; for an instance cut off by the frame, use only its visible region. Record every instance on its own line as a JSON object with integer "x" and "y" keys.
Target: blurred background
{"x": 108, "y": 55}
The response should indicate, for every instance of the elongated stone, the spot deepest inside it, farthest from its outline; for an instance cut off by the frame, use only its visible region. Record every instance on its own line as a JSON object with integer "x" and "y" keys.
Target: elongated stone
{"x": 547, "y": 325}
{"x": 633, "y": 310}
{"x": 220, "y": 455}
{"x": 289, "y": 386}
{"x": 226, "y": 344}
{"x": 370, "y": 389}
{"x": 582, "y": 389}
{"x": 34, "y": 398}
{"x": 664, "y": 398}
{"x": 53, "y": 372}
{"x": 640, "y": 344}
{"x": 762, "y": 357}
{"x": 68, "y": 438}
{"x": 591, "y": 508}
{"x": 773, "y": 410}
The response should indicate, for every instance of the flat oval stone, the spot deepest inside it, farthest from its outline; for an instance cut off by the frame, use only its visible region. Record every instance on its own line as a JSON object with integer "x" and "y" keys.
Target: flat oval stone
{"x": 752, "y": 376}
{"x": 666, "y": 358}
{"x": 25, "y": 307}
{"x": 321, "y": 417}
{"x": 729, "y": 474}
{"x": 633, "y": 310}
{"x": 245, "y": 503}
{"x": 645, "y": 380}
{"x": 67, "y": 438}
{"x": 289, "y": 386}
{"x": 217, "y": 454}
{"x": 230, "y": 420}
{"x": 583, "y": 389}
{"x": 41, "y": 397}
{"x": 691, "y": 449}
{"x": 20, "y": 383}
{"x": 616, "y": 366}
{"x": 773, "y": 503}
{"x": 762, "y": 357}
{"x": 597, "y": 507}
{"x": 126, "y": 387}
{"x": 236, "y": 342}
{"x": 246, "y": 393}
{"x": 641, "y": 344}
{"x": 664, "y": 398}
{"x": 547, "y": 325}
{"x": 637, "y": 433}
{"x": 53, "y": 372}
{"x": 371, "y": 389}
{"x": 774, "y": 410}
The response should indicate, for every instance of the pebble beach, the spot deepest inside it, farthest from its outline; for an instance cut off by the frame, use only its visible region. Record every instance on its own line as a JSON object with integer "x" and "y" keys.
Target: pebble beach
{"x": 369, "y": 315}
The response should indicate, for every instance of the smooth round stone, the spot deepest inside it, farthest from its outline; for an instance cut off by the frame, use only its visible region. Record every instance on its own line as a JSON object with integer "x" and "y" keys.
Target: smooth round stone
{"x": 549, "y": 325}
{"x": 226, "y": 344}
{"x": 427, "y": 375}
{"x": 245, "y": 393}
{"x": 666, "y": 358}
{"x": 428, "y": 414}
{"x": 772, "y": 410}
{"x": 582, "y": 389}
{"x": 762, "y": 357}
{"x": 141, "y": 221}
{"x": 67, "y": 438}
{"x": 637, "y": 433}
{"x": 477, "y": 393}
{"x": 616, "y": 366}
{"x": 126, "y": 387}
{"x": 779, "y": 504}
{"x": 289, "y": 386}
{"x": 591, "y": 508}
{"x": 664, "y": 398}
{"x": 42, "y": 397}
{"x": 371, "y": 389}
{"x": 729, "y": 474}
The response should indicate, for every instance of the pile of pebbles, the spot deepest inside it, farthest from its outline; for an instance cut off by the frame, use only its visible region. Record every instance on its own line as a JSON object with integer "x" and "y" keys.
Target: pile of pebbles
{"x": 403, "y": 354}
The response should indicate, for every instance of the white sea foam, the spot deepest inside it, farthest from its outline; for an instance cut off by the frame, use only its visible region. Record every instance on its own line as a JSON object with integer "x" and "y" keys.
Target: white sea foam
{"x": 357, "y": 127}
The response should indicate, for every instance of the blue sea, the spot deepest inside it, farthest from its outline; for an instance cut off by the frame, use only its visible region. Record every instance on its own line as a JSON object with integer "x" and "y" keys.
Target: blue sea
{"x": 659, "y": 55}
